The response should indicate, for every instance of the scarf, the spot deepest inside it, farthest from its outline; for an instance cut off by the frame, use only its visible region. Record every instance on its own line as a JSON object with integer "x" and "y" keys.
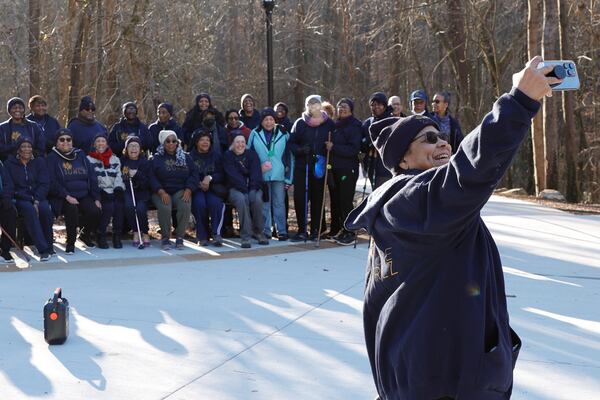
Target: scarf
{"x": 179, "y": 155}
{"x": 104, "y": 157}
{"x": 312, "y": 121}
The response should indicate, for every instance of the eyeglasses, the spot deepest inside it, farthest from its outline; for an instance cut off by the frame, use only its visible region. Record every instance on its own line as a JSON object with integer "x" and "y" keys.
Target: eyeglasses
{"x": 437, "y": 101}
{"x": 65, "y": 139}
{"x": 90, "y": 109}
{"x": 432, "y": 137}
{"x": 171, "y": 141}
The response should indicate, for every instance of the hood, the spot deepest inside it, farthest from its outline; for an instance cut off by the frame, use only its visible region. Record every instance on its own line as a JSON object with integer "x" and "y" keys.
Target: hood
{"x": 70, "y": 156}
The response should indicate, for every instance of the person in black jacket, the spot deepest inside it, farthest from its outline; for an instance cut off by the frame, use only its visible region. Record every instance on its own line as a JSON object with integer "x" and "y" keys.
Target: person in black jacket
{"x": 372, "y": 165}
{"x": 31, "y": 185}
{"x": 435, "y": 315}
{"x": 282, "y": 117}
{"x": 307, "y": 143}
{"x": 208, "y": 197}
{"x": 447, "y": 123}
{"x": 249, "y": 115}
{"x": 47, "y": 123}
{"x": 8, "y": 215}
{"x": 344, "y": 148}
{"x": 164, "y": 122}
{"x": 129, "y": 125}
{"x": 244, "y": 178}
{"x": 73, "y": 190}
{"x": 195, "y": 116}
{"x": 16, "y": 127}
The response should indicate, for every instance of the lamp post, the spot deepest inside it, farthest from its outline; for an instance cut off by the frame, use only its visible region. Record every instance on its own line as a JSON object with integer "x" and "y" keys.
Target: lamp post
{"x": 269, "y": 5}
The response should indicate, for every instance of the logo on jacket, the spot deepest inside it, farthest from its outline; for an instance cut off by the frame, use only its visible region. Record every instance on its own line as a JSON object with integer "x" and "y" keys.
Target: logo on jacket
{"x": 15, "y": 136}
{"x": 67, "y": 166}
{"x": 124, "y": 136}
{"x": 125, "y": 170}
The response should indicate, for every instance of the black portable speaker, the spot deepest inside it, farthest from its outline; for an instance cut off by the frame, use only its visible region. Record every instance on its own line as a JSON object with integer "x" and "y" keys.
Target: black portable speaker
{"x": 56, "y": 319}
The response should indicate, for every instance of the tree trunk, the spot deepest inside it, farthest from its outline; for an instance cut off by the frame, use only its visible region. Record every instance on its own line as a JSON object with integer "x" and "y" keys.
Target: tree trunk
{"x": 534, "y": 26}
{"x": 77, "y": 57}
{"x": 34, "y": 49}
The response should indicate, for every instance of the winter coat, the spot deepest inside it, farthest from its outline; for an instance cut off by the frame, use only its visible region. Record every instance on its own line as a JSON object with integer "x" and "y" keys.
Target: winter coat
{"x": 166, "y": 175}
{"x": 123, "y": 129}
{"x": 157, "y": 126}
{"x": 141, "y": 179}
{"x": 346, "y": 144}
{"x": 242, "y": 171}
{"x": 435, "y": 314}
{"x": 109, "y": 178}
{"x": 49, "y": 126}
{"x": 31, "y": 181}
{"x": 210, "y": 163}
{"x": 10, "y": 134}
{"x": 274, "y": 150}
{"x": 84, "y": 132}
{"x": 251, "y": 121}
{"x": 314, "y": 137}
{"x": 373, "y": 163}
{"x": 6, "y": 183}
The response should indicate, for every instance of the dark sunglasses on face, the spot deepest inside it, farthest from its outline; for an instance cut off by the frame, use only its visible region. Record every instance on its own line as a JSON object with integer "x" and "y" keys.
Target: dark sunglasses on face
{"x": 92, "y": 109}
{"x": 437, "y": 101}
{"x": 169, "y": 141}
{"x": 432, "y": 137}
{"x": 65, "y": 139}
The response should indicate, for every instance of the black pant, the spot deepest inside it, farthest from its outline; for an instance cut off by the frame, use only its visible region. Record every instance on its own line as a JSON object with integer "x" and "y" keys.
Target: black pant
{"x": 341, "y": 192}
{"x": 90, "y": 217}
{"x": 8, "y": 220}
{"x": 315, "y": 198}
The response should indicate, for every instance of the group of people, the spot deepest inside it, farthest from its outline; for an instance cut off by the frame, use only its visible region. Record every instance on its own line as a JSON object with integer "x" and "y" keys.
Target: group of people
{"x": 245, "y": 160}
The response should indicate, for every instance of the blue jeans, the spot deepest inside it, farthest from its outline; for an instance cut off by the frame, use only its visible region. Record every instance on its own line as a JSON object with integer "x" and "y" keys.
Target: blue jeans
{"x": 204, "y": 203}
{"x": 276, "y": 203}
{"x": 38, "y": 223}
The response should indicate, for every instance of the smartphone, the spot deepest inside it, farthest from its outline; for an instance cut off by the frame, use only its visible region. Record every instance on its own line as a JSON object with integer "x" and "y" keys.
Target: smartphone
{"x": 565, "y": 70}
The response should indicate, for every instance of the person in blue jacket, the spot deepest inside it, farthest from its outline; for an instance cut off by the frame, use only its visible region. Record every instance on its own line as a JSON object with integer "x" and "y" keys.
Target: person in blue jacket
{"x": 269, "y": 141}
{"x": 73, "y": 190}
{"x": 85, "y": 127}
{"x": 307, "y": 144}
{"x": 372, "y": 165}
{"x": 249, "y": 115}
{"x": 164, "y": 122}
{"x": 31, "y": 181}
{"x": 173, "y": 179}
{"x": 8, "y": 215}
{"x": 135, "y": 169}
{"x": 129, "y": 125}
{"x": 47, "y": 123}
{"x": 210, "y": 192}
{"x": 17, "y": 127}
{"x": 344, "y": 148}
{"x": 244, "y": 178}
{"x": 435, "y": 315}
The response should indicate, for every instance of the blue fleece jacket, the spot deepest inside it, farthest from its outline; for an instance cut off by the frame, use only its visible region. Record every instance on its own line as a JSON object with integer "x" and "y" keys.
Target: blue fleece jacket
{"x": 171, "y": 178}
{"x": 306, "y": 135}
{"x": 435, "y": 315}
{"x": 71, "y": 174}
{"x": 272, "y": 146}
{"x": 346, "y": 143}
{"x": 122, "y": 130}
{"x": 157, "y": 126}
{"x": 84, "y": 132}
{"x": 49, "y": 126}
{"x": 243, "y": 171}
{"x": 210, "y": 163}
{"x": 31, "y": 181}
{"x": 141, "y": 179}
{"x": 10, "y": 133}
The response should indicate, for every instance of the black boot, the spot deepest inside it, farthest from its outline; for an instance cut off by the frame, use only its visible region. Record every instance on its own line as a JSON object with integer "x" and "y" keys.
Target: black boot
{"x": 102, "y": 243}
{"x": 117, "y": 241}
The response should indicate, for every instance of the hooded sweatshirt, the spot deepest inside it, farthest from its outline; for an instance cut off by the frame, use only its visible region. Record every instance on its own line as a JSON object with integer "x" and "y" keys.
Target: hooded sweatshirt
{"x": 48, "y": 125}
{"x": 157, "y": 126}
{"x": 71, "y": 174}
{"x": 10, "y": 133}
{"x": 123, "y": 129}
{"x": 31, "y": 180}
{"x": 84, "y": 132}
{"x": 435, "y": 314}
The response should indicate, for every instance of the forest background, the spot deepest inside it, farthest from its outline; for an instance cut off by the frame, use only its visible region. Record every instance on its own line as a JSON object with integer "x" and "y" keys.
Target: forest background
{"x": 153, "y": 51}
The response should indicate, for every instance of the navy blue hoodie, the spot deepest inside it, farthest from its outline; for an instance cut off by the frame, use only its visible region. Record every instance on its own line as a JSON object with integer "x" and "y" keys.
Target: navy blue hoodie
{"x": 435, "y": 314}
{"x": 10, "y": 134}
{"x": 122, "y": 130}
{"x": 315, "y": 137}
{"x": 141, "y": 180}
{"x": 48, "y": 125}
{"x": 171, "y": 178}
{"x": 31, "y": 181}
{"x": 84, "y": 132}
{"x": 210, "y": 163}
{"x": 346, "y": 143}
{"x": 157, "y": 126}
{"x": 250, "y": 121}
{"x": 243, "y": 172}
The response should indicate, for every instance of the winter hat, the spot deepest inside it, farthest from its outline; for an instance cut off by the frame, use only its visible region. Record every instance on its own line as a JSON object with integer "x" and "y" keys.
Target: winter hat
{"x": 313, "y": 98}
{"x": 199, "y": 133}
{"x": 267, "y": 112}
{"x": 284, "y": 106}
{"x": 12, "y": 102}
{"x": 129, "y": 104}
{"x": 378, "y": 97}
{"x": 347, "y": 101}
{"x": 202, "y": 95}
{"x": 23, "y": 139}
{"x": 85, "y": 103}
{"x": 36, "y": 99}
{"x": 392, "y": 137}
{"x": 133, "y": 139}
{"x": 169, "y": 107}
{"x": 63, "y": 132}
{"x": 96, "y": 136}
{"x": 247, "y": 96}
{"x": 163, "y": 135}
{"x": 418, "y": 95}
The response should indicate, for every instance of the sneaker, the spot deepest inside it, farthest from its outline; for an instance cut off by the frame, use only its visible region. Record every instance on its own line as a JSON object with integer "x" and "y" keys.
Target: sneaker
{"x": 246, "y": 244}
{"x": 102, "y": 242}
{"x": 203, "y": 242}
{"x": 136, "y": 243}
{"x": 146, "y": 239}
{"x": 52, "y": 252}
{"x": 166, "y": 244}
{"x": 347, "y": 239}
{"x": 44, "y": 257}
{"x": 87, "y": 240}
{"x": 218, "y": 241}
{"x": 7, "y": 258}
{"x": 299, "y": 237}
{"x": 262, "y": 240}
{"x": 338, "y": 236}
{"x": 283, "y": 237}
{"x": 70, "y": 249}
{"x": 179, "y": 244}
{"x": 116, "y": 239}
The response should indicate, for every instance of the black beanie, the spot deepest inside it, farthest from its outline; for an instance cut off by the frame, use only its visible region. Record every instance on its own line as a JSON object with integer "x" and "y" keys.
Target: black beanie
{"x": 63, "y": 132}
{"x": 12, "y": 102}
{"x": 128, "y": 104}
{"x": 198, "y": 133}
{"x": 168, "y": 107}
{"x": 267, "y": 112}
{"x": 23, "y": 139}
{"x": 378, "y": 97}
{"x": 392, "y": 137}
{"x": 85, "y": 103}
{"x": 347, "y": 101}
{"x": 284, "y": 106}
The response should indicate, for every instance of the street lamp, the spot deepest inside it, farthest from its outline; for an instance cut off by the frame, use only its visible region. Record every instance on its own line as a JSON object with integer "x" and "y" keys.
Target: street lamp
{"x": 269, "y": 5}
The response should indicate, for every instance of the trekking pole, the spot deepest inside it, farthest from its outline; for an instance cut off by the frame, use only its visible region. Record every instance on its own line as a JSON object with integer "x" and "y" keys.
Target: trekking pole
{"x": 20, "y": 251}
{"x": 364, "y": 191}
{"x": 137, "y": 221}
{"x": 306, "y": 204}
{"x": 324, "y": 188}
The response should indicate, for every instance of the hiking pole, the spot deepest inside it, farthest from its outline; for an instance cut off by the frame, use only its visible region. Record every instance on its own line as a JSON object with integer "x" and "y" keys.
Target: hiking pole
{"x": 19, "y": 249}
{"x": 324, "y": 188}
{"x": 364, "y": 191}
{"x": 306, "y": 204}
{"x": 137, "y": 221}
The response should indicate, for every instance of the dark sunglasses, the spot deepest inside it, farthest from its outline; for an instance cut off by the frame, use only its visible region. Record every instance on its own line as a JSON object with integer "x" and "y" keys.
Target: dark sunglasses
{"x": 432, "y": 137}
{"x": 64, "y": 139}
{"x": 92, "y": 109}
{"x": 171, "y": 141}
{"x": 437, "y": 101}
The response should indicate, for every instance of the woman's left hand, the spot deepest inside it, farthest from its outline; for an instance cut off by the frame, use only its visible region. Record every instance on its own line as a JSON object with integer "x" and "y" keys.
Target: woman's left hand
{"x": 187, "y": 195}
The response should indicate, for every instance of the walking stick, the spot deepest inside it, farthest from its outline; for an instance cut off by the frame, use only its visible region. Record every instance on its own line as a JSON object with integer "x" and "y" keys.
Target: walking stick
{"x": 137, "y": 221}
{"x": 324, "y": 188}
{"x": 306, "y": 204}
{"x": 19, "y": 249}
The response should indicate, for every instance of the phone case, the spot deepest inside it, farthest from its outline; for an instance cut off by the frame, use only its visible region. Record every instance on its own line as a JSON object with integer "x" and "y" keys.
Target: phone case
{"x": 565, "y": 70}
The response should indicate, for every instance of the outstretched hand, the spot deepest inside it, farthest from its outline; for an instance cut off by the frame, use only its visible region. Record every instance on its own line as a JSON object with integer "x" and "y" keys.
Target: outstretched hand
{"x": 533, "y": 81}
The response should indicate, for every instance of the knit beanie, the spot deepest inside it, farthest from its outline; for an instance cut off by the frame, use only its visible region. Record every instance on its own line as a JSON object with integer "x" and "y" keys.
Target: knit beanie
{"x": 23, "y": 139}
{"x": 168, "y": 107}
{"x": 378, "y": 97}
{"x": 202, "y": 95}
{"x": 128, "y": 104}
{"x": 247, "y": 96}
{"x": 267, "y": 112}
{"x": 392, "y": 137}
{"x": 133, "y": 139}
{"x": 163, "y": 135}
{"x": 85, "y": 103}
{"x": 199, "y": 133}
{"x": 63, "y": 132}
{"x": 12, "y": 102}
{"x": 284, "y": 106}
{"x": 347, "y": 101}
{"x": 36, "y": 99}
{"x": 313, "y": 98}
